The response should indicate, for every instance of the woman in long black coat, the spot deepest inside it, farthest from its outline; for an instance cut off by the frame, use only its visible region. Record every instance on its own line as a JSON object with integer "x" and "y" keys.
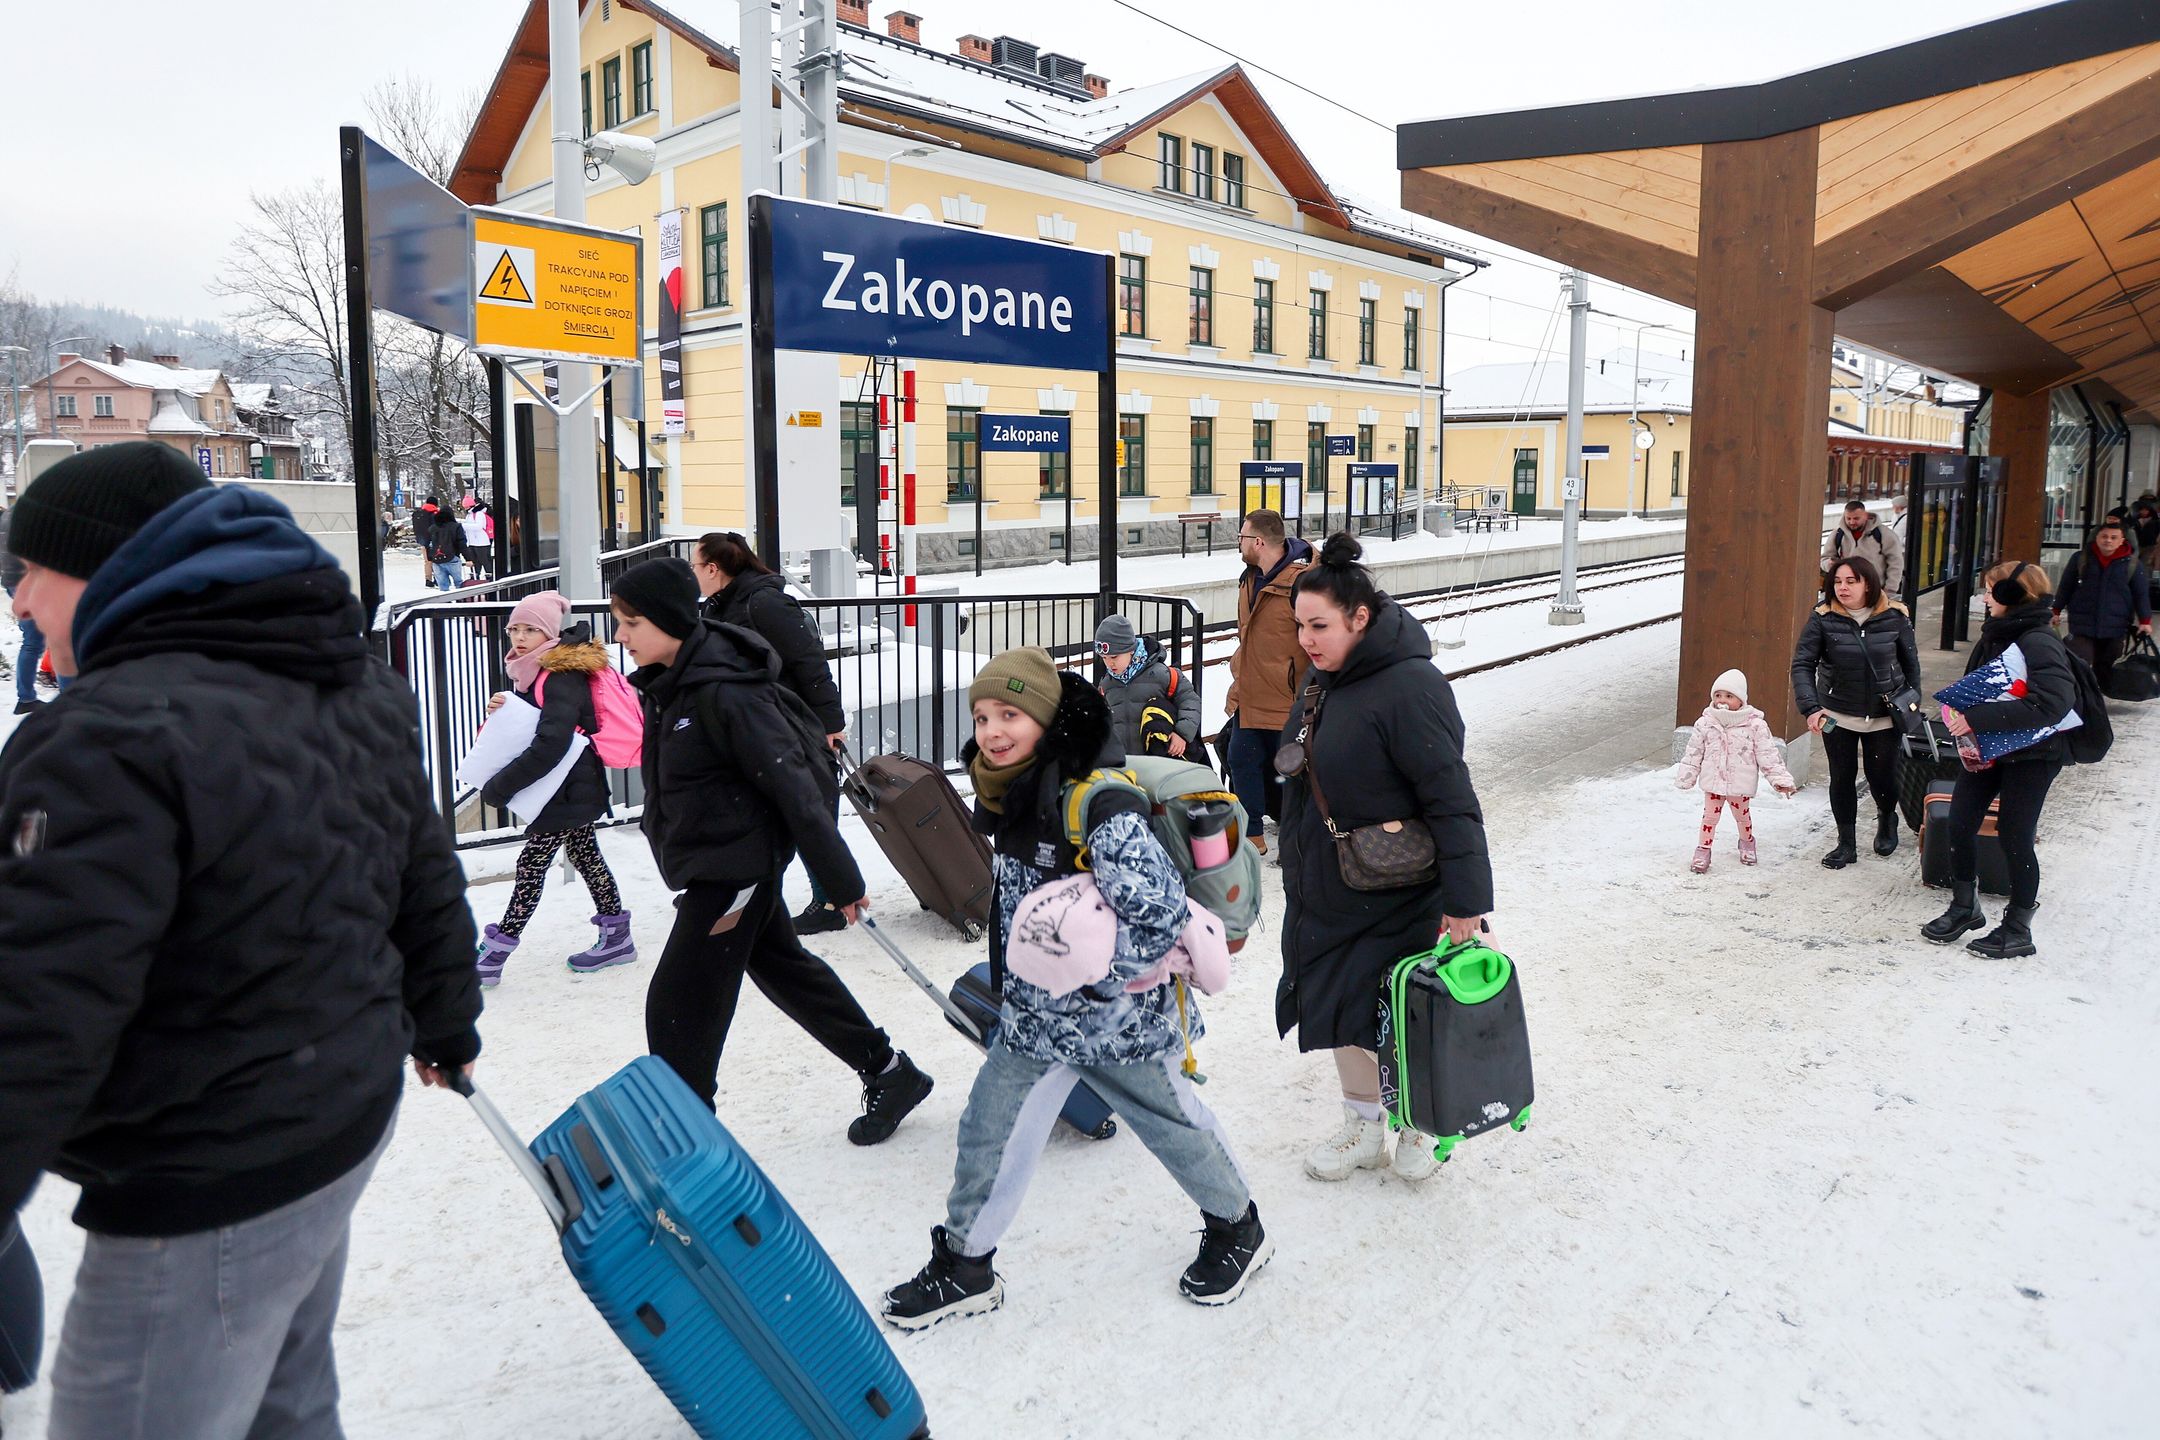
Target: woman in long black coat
{"x": 1387, "y": 745}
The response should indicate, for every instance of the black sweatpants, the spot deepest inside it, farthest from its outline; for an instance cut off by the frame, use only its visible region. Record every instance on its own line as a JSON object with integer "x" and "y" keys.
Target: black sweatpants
{"x": 691, "y": 1002}
{"x": 1845, "y": 750}
{"x": 22, "y": 1309}
{"x": 2023, "y": 786}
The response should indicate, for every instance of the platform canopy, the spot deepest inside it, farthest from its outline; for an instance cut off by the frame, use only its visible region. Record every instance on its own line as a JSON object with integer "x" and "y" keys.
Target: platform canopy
{"x": 1984, "y": 204}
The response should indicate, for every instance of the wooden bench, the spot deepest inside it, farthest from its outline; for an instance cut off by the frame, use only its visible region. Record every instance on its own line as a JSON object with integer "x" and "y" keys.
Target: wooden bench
{"x": 1205, "y": 519}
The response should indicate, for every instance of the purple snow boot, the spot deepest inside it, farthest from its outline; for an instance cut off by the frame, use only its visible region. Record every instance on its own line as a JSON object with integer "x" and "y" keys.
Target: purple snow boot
{"x": 613, "y": 948}
{"x": 495, "y": 948}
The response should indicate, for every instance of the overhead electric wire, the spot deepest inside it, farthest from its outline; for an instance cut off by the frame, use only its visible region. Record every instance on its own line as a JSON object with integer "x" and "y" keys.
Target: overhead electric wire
{"x": 1276, "y": 74}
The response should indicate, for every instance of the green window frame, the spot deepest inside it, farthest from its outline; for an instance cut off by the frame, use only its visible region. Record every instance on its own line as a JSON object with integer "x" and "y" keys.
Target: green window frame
{"x": 1173, "y": 164}
{"x": 1200, "y": 306}
{"x": 1677, "y": 455}
{"x": 1203, "y": 455}
{"x": 1132, "y": 475}
{"x": 712, "y": 253}
{"x": 1263, "y": 440}
{"x": 1053, "y": 469}
{"x": 1364, "y": 442}
{"x": 1413, "y": 440}
{"x": 64, "y": 407}
{"x": 1411, "y": 319}
{"x": 1203, "y": 172}
{"x": 641, "y": 79}
{"x": 1316, "y": 454}
{"x": 1316, "y": 324}
{"x": 584, "y": 86}
{"x": 1368, "y": 332}
{"x": 1132, "y": 295}
{"x": 1233, "y": 181}
{"x": 963, "y": 454}
{"x": 611, "y": 92}
{"x": 858, "y": 437}
{"x": 1263, "y": 317}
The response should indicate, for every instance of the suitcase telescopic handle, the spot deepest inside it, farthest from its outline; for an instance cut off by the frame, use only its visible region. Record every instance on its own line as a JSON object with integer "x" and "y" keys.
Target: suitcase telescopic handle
{"x": 953, "y": 1012}
{"x": 512, "y": 1146}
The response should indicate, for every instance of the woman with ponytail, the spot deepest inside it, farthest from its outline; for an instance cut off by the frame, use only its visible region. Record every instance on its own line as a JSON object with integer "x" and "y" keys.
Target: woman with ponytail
{"x": 1373, "y": 738}
{"x": 2019, "y": 613}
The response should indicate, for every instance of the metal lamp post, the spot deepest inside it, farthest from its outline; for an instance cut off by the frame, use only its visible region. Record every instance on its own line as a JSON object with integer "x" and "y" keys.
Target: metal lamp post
{"x": 1635, "y": 424}
{"x": 52, "y": 348}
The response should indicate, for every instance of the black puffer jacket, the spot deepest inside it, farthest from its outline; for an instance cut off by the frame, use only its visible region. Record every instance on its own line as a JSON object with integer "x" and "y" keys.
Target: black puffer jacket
{"x": 1388, "y": 746}
{"x": 227, "y": 908}
{"x": 762, "y": 603}
{"x": 566, "y": 708}
{"x": 442, "y": 537}
{"x": 2050, "y": 687}
{"x": 736, "y": 777}
{"x": 2105, "y": 601}
{"x": 1843, "y": 666}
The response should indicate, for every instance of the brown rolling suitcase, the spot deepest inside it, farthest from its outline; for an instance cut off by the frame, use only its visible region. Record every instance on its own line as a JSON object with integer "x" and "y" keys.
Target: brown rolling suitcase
{"x": 922, "y": 826}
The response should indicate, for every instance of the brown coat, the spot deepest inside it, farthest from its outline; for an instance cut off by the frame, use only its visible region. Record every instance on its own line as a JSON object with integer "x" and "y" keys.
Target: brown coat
{"x": 1265, "y": 670}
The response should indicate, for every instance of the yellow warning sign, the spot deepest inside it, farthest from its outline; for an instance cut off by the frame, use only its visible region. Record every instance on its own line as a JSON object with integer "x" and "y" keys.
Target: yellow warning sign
{"x": 504, "y": 284}
{"x": 551, "y": 290}
{"x": 1120, "y": 455}
{"x": 807, "y": 419}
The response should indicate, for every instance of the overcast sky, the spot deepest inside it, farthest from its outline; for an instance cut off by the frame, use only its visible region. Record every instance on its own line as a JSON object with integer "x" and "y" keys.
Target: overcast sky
{"x": 137, "y": 135}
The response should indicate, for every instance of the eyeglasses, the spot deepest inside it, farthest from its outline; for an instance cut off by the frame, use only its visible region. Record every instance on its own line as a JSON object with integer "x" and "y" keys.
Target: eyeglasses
{"x": 1244, "y": 536}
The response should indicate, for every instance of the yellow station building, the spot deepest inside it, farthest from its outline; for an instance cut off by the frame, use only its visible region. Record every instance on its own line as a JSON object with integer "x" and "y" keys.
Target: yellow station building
{"x": 1259, "y": 310}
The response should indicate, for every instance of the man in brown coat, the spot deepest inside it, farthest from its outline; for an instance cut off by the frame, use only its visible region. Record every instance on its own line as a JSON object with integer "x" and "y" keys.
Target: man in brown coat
{"x": 1264, "y": 672}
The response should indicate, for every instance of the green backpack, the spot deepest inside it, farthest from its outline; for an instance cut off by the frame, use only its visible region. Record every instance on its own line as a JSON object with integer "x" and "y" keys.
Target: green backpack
{"x": 1229, "y": 889}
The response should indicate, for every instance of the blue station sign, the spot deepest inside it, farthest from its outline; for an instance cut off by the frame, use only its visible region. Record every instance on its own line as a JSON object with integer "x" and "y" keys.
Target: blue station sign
{"x": 1372, "y": 469}
{"x": 858, "y": 284}
{"x": 1342, "y": 445}
{"x": 1271, "y": 470}
{"x": 1042, "y": 434}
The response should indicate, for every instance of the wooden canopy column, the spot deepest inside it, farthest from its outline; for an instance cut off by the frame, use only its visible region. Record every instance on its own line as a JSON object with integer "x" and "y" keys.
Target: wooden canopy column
{"x": 1761, "y": 424}
{"x": 2018, "y": 431}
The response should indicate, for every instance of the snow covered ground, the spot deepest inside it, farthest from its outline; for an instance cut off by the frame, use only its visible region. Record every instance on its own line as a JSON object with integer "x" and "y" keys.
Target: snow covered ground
{"x": 1793, "y": 1171}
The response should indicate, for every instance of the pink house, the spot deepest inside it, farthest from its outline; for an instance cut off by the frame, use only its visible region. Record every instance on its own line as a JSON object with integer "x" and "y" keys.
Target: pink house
{"x": 106, "y": 402}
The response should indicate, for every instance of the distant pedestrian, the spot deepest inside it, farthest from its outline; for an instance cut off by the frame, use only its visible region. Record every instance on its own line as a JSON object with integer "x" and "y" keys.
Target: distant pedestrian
{"x": 737, "y": 588}
{"x": 443, "y": 541}
{"x": 1861, "y": 534}
{"x": 33, "y": 640}
{"x": 1265, "y": 667}
{"x": 2145, "y": 527}
{"x": 1153, "y": 708}
{"x": 1376, "y": 740}
{"x": 479, "y": 528}
{"x": 542, "y": 647}
{"x": 2105, "y": 593}
{"x": 228, "y": 911}
{"x": 736, "y": 781}
{"x": 1856, "y": 651}
{"x": 1730, "y": 752}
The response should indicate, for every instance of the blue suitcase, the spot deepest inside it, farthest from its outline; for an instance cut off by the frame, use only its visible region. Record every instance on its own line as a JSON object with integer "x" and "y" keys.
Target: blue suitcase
{"x": 705, "y": 1272}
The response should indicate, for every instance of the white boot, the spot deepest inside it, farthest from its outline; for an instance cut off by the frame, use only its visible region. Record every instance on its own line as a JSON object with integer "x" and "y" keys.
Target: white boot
{"x": 1414, "y": 1157}
{"x": 1360, "y": 1144}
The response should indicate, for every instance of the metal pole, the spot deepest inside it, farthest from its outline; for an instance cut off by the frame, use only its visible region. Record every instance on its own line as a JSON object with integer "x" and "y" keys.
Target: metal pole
{"x": 755, "y": 156}
{"x": 1567, "y": 606}
{"x": 1634, "y": 422}
{"x": 1439, "y": 462}
{"x": 576, "y": 498}
{"x": 360, "y": 375}
{"x": 613, "y": 468}
{"x": 500, "y": 482}
{"x": 1106, "y": 441}
{"x": 764, "y": 385}
{"x": 1417, "y": 458}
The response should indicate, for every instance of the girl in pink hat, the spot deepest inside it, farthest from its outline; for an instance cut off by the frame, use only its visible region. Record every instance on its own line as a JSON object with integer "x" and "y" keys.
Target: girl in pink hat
{"x": 570, "y": 661}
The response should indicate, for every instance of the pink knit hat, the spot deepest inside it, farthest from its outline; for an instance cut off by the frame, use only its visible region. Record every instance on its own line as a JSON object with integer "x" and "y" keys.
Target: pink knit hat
{"x": 545, "y": 612}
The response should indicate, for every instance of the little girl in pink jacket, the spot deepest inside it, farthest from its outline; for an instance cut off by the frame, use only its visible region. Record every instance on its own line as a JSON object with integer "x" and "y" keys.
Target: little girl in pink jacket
{"x": 1731, "y": 751}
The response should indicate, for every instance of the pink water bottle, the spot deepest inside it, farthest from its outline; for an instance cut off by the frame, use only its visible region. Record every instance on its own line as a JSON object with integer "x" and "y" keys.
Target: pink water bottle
{"x": 1207, "y": 825}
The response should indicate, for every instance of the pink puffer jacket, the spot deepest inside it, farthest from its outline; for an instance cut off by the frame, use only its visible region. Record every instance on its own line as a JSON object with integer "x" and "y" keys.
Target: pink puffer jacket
{"x": 1731, "y": 752}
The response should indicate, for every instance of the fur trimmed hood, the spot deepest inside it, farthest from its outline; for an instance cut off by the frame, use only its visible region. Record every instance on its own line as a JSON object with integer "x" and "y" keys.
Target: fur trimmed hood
{"x": 576, "y": 652}
{"x": 1078, "y": 738}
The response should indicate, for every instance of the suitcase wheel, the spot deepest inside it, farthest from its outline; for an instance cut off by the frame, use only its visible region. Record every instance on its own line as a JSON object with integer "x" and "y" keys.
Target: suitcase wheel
{"x": 1444, "y": 1146}
{"x": 1522, "y": 1118}
{"x": 1103, "y": 1131}
{"x": 972, "y": 931}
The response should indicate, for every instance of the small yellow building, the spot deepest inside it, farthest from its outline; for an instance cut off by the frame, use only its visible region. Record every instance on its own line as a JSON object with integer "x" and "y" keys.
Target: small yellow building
{"x": 1259, "y": 311}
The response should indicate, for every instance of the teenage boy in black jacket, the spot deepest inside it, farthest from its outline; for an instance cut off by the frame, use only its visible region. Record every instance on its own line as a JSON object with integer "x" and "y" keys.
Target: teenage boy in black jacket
{"x": 227, "y": 913}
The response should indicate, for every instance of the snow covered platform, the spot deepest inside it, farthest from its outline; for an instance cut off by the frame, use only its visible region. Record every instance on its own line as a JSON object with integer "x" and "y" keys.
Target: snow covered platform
{"x": 1793, "y": 1172}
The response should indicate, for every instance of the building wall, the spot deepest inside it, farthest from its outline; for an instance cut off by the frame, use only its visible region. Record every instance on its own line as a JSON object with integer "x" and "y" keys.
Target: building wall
{"x": 1481, "y": 455}
{"x": 132, "y": 406}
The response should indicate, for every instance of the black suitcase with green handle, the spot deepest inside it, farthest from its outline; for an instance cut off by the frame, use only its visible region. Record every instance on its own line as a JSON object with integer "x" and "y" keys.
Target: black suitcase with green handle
{"x": 1454, "y": 1045}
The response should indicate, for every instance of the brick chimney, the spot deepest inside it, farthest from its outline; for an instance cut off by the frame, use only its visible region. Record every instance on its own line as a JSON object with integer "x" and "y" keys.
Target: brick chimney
{"x": 115, "y": 355}
{"x": 902, "y": 25}
{"x": 974, "y": 47}
{"x": 1097, "y": 86}
{"x": 65, "y": 357}
{"x": 172, "y": 360}
{"x": 855, "y": 12}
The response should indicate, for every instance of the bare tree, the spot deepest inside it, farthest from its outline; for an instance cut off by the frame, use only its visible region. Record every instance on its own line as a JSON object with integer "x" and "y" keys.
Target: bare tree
{"x": 287, "y": 277}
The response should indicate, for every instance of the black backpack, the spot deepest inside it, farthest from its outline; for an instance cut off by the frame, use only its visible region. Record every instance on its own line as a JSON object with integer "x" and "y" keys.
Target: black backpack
{"x": 2088, "y": 743}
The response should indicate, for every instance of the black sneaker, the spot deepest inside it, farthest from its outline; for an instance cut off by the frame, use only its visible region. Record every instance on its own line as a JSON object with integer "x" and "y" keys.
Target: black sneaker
{"x": 887, "y": 1098}
{"x": 1230, "y": 1251}
{"x": 819, "y": 918}
{"x": 25, "y": 707}
{"x": 951, "y": 1285}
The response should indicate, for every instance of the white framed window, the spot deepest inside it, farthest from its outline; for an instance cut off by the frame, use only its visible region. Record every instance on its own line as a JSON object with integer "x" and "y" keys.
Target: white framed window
{"x": 101, "y": 405}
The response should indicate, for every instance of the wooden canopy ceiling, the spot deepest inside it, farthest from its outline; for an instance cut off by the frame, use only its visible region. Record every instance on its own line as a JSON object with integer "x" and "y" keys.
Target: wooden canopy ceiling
{"x": 1987, "y": 203}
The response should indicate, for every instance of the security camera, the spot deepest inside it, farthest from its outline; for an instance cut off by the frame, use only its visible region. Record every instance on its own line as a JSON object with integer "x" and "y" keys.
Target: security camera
{"x": 630, "y": 156}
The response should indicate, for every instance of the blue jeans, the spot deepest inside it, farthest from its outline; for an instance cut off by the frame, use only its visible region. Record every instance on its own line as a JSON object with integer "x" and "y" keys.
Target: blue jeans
{"x": 22, "y": 1309}
{"x": 211, "y": 1336}
{"x": 1015, "y": 1102}
{"x": 449, "y": 574}
{"x": 26, "y": 661}
{"x": 1252, "y": 772}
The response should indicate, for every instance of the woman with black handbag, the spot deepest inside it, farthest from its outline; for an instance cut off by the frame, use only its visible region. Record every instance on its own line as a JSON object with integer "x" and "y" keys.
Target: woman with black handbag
{"x": 1383, "y": 840}
{"x": 1856, "y": 676}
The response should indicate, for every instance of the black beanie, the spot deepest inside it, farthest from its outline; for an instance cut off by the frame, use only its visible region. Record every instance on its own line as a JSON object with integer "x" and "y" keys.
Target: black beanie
{"x": 664, "y": 591}
{"x": 75, "y": 515}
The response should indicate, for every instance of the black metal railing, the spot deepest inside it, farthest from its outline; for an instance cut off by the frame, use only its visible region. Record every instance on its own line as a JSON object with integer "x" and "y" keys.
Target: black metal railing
{"x": 903, "y": 666}
{"x": 532, "y": 582}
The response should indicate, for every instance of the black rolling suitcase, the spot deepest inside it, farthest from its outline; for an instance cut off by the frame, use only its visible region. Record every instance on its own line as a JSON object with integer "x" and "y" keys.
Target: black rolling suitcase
{"x": 972, "y": 1009}
{"x": 1920, "y": 764}
{"x": 1454, "y": 1046}
{"x": 922, "y": 826}
{"x": 1993, "y": 868}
